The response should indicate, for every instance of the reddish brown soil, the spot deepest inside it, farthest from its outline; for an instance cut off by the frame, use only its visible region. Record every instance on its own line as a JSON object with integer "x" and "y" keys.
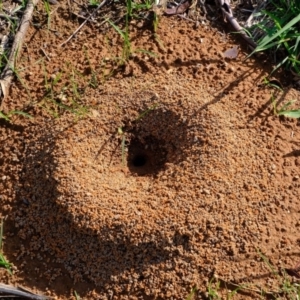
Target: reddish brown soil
{"x": 219, "y": 179}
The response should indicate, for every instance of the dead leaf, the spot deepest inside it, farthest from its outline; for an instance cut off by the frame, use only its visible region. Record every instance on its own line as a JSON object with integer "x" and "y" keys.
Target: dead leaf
{"x": 231, "y": 53}
{"x": 180, "y": 9}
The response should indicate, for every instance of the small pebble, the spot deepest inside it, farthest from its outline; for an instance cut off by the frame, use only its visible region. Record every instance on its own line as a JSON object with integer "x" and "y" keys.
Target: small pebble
{"x": 206, "y": 191}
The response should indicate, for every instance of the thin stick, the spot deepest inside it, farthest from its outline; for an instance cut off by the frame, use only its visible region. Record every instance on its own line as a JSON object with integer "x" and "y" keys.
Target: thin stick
{"x": 227, "y": 12}
{"x": 79, "y": 16}
{"x": 84, "y": 22}
{"x": 8, "y": 72}
{"x": 232, "y": 20}
{"x": 45, "y": 53}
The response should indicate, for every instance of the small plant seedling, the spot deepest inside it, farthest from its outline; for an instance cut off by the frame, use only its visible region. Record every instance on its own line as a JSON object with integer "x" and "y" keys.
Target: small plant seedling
{"x": 284, "y": 111}
{"x": 4, "y": 116}
{"x": 192, "y": 294}
{"x": 145, "y": 112}
{"x": 126, "y": 42}
{"x": 155, "y": 22}
{"x": 216, "y": 284}
{"x": 286, "y": 287}
{"x": 146, "y": 5}
{"x": 3, "y": 262}
{"x": 93, "y": 81}
{"x": 130, "y": 8}
{"x": 56, "y": 101}
{"x": 94, "y": 2}
{"x": 279, "y": 25}
{"x": 212, "y": 290}
{"x": 48, "y": 12}
{"x": 125, "y": 33}
{"x": 272, "y": 83}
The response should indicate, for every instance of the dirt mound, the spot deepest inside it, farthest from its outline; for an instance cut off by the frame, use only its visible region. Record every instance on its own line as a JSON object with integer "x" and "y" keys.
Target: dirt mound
{"x": 176, "y": 168}
{"x": 192, "y": 196}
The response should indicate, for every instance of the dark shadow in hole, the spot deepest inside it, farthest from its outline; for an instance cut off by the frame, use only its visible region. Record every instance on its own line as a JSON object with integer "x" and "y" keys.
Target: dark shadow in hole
{"x": 145, "y": 158}
{"x": 139, "y": 160}
{"x": 58, "y": 248}
{"x": 160, "y": 136}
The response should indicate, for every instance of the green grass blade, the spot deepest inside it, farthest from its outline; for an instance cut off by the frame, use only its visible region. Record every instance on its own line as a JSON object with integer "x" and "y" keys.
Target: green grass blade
{"x": 123, "y": 150}
{"x": 273, "y": 85}
{"x": 22, "y": 113}
{"x": 290, "y": 113}
{"x": 117, "y": 29}
{"x": 267, "y": 39}
{"x": 17, "y": 9}
{"x": 274, "y": 18}
{"x": 280, "y": 64}
{"x": 285, "y": 106}
{"x": 278, "y": 43}
{"x": 141, "y": 115}
{"x": 274, "y": 104}
{"x": 295, "y": 47}
{"x": 267, "y": 262}
{"x": 1, "y": 234}
{"x": 3, "y": 262}
{"x": 76, "y": 296}
{"x": 56, "y": 78}
{"x": 191, "y": 294}
{"x": 129, "y": 8}
{"x": 3, "y": 116}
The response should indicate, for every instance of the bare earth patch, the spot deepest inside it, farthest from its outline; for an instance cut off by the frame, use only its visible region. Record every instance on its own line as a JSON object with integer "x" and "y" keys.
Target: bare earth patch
{"x": 209, "y": 174}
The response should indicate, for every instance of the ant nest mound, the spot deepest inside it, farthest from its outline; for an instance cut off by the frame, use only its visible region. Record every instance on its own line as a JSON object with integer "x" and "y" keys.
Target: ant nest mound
{"x": 127, "y": 192}
{"x": 117, "y": 171}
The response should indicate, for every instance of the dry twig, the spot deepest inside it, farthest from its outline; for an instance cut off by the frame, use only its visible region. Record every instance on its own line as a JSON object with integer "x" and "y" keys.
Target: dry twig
{"x": 8, "y": 72}
{"x": 227, "y": 13}
{"x": 85, "y": 21}
{"x": 10, "y": 291}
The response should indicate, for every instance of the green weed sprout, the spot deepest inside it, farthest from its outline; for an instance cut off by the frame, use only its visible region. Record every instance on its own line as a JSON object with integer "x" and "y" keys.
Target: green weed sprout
{"x": 3, "y": 262}
{"x": 212, "y": 290}
{"x": 283, "y": 36}
{"x": 48, "y": 12}
{"x": 288, "y": 289}
{"x": 94, "y": 2}
{"x": 130, "y": 8}
{"x": 125, "y": 33}
{"x": 53, "y": 101}
{"x": 125, "y": 36}
{"x": 14, "y": 112}
{"x": 284, "y": 111}
{"x": 192, "y": 294}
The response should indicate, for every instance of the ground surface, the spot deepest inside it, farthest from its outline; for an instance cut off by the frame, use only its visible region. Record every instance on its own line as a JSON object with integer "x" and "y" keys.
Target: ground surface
{"x": 210, "y": 175}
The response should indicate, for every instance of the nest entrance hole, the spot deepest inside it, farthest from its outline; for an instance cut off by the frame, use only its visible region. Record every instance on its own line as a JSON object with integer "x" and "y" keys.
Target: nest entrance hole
{"x": 146, "y": 156}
